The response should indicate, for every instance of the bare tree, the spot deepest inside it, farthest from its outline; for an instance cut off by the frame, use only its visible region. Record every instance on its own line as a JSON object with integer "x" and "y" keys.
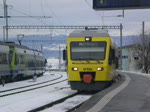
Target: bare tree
{"x": 146, "y": 51}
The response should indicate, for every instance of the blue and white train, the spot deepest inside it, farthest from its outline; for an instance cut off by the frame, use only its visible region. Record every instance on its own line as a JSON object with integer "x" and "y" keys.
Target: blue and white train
{"x": 18, "y": 61}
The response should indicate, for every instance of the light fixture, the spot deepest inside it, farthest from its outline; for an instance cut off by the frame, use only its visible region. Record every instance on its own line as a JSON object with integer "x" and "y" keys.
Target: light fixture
{"x": 75, "y": 69}
{"x": 100, "y": 69}
{"x": 88, "y": 39}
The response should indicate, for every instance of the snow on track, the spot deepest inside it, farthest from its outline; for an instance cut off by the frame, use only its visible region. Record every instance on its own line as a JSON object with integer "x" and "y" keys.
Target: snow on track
{"x": 68, "y": 104}
{"x": 27, "y": 101}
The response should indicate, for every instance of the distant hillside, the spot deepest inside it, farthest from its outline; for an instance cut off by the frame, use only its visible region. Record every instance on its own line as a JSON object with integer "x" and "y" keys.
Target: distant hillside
{"x": 51, "y": 44}
{"x": 127, "y": 40}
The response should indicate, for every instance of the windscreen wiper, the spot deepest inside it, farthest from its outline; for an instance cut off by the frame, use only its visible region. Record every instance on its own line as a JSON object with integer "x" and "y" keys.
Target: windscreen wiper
{"x": 98, "y": 61}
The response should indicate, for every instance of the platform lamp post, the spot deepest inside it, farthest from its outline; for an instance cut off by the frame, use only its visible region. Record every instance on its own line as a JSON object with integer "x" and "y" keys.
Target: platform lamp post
{"x": 121, "y": 27}
{"x": 4, "y": 39}
{"x": 59, "y": 58}
{"x": 6, "y": 20}
{"x": 143, "y": 47}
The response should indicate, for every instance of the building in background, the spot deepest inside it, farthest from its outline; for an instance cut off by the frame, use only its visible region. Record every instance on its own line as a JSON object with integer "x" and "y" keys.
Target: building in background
{"x": 132, "y": 58}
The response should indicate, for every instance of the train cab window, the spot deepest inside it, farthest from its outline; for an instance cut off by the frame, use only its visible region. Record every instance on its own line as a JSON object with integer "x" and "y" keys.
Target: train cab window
{"x": 88, "y": 50}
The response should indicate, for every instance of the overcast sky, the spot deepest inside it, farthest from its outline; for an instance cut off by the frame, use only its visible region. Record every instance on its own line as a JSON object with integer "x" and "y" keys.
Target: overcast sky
{"x": 71, "y": 12}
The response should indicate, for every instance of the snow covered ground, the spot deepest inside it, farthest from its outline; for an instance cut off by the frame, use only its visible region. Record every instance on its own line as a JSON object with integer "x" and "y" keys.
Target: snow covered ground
{"x": 46, "y": 77}
{"x": 26, "y": 101}
{"x": 54, "y": 63}
{"x": 68, "y": 104}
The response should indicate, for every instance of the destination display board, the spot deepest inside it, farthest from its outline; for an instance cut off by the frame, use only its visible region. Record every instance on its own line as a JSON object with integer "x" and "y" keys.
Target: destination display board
{"x": 120, "y": 4}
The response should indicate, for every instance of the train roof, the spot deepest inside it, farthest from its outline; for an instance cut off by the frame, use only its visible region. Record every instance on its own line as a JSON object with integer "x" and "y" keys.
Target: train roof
{"x": 17, "y": 46}
{"x": 38, "y": 51}
{"x": 89, "y": 33}
{"x": 3, "y": 43}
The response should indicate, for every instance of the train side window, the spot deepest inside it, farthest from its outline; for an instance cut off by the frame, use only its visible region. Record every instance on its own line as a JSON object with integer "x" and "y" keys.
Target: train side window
{"x": 15, "y": 59}
{"x": 3, "y": 58}
{"x": 7, "y": 59}
{"x": 21, "y": 59}
{"x": 0, "y": 58}
{"x": 18, "y": 60}
{"x": 30, "y": 63}
{"x": 64, "y": 54}
{"x": 38, "y": 64}
{"x": 10, "y": 57}
{"x": 33, "y": 63}
{"x": 111, "y": 56}
{"x": 116, "y": 62}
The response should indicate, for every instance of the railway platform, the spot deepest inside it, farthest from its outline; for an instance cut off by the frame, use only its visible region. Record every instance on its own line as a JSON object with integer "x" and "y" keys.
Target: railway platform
{"x": 130, "y": 94}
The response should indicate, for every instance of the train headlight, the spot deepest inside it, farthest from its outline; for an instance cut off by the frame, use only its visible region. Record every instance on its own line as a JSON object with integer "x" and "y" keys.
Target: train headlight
{"x": 88, "y": 39}
{"x": 100, "y": 69}
{"x": 75, "y": 69}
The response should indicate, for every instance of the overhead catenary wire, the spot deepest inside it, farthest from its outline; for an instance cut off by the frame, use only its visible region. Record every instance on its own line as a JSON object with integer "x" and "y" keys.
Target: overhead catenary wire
{"x": 29, "y": 8}
{"x": 42, "y": 10}
{"x": 53, "y": 12}
{"x": 29, "y": 16}
{"x": 25, "y": 15}
{"x": 46, "y": 3}
{"x": 102, "y": 17}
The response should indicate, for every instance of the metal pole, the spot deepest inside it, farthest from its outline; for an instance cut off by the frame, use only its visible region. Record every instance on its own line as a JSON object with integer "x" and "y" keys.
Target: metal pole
{"x": 59, "y": 57}
{"x": 143, "y": 40}
{"x": 120, "y": 46}
{"x": 4, "y": 34}
{"x": 6, "y": 19}
{"x": 41, "y": 47}
{"x": 123, "y": 13}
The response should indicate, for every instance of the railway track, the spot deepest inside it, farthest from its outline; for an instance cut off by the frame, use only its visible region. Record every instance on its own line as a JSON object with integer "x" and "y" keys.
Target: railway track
{"x": 63, "y": 101}
{"x": 53, "y": 106}
{"x": 31, "y": 87}
{"x": 52, "y": 103}
{"x": 54, "y": 96}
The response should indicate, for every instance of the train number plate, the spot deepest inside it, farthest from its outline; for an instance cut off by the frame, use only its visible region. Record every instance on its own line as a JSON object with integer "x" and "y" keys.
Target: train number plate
{"x": 87, "y": 69}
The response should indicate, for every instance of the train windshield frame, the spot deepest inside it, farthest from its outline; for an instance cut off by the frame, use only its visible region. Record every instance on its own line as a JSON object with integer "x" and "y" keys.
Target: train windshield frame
{"x": 91, "y": 50}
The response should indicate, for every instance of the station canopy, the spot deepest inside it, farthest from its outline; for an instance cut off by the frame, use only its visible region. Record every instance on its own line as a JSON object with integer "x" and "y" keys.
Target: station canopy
{"x": 120, "y": 4}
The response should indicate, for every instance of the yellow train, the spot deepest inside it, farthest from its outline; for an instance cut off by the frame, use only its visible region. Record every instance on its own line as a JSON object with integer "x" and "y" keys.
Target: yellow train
{"x": 91, "y": 58}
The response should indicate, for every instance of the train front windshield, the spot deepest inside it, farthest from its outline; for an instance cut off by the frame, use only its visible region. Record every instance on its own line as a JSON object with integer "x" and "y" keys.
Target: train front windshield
{"x": 88, "y": 50}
